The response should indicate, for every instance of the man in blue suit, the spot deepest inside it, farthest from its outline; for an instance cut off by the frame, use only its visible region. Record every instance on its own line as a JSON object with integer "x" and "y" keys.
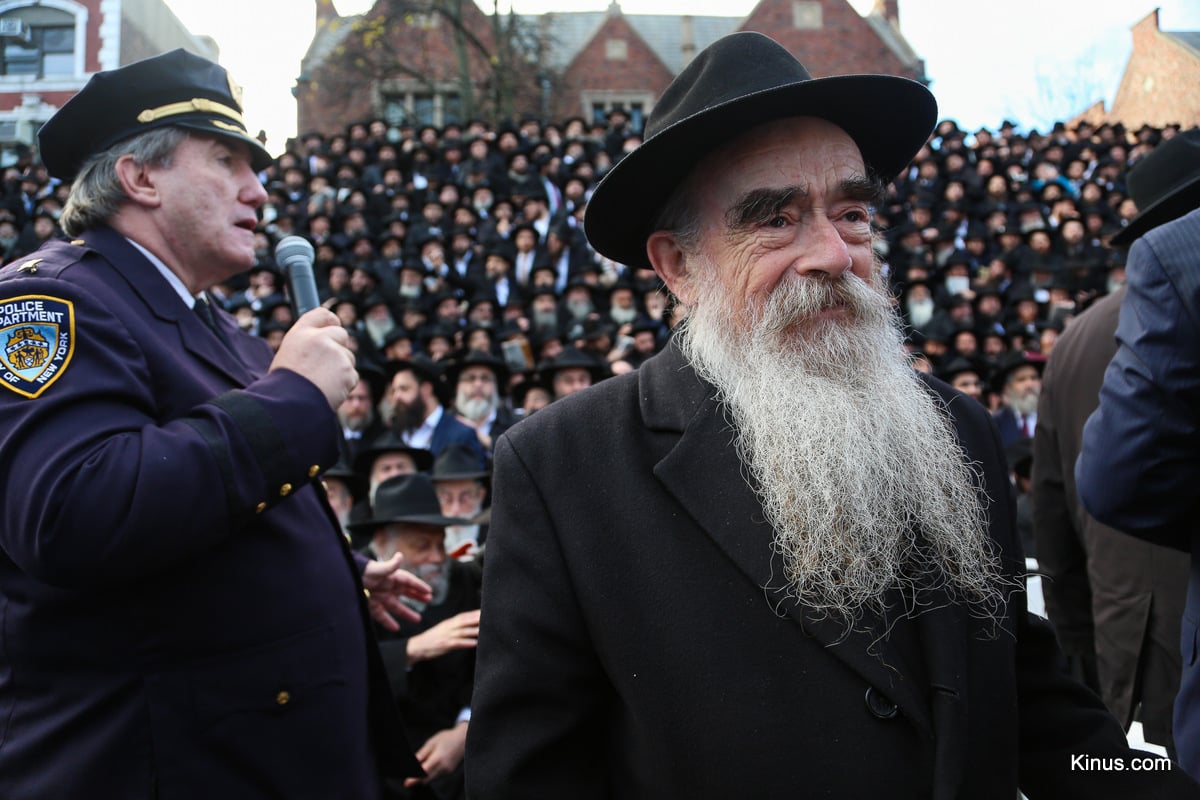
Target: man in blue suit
{"x": 1140, "y": 463}
{"x": 181, "y": 615}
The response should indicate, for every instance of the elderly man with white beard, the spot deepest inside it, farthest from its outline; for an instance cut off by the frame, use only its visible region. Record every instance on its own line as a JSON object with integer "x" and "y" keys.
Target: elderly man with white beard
{"x": 479, "y": 378}
{"x": 430, "y": 663}
{"x": 1019, "y": 377}
{"x": 773, "y": 561}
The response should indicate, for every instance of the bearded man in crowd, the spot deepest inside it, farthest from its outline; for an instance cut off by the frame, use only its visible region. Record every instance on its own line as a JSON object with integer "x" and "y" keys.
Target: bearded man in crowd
{"x": 790, "y": 556}
{"x": 478, "y": 379}
{"x": 1019, "y": 378}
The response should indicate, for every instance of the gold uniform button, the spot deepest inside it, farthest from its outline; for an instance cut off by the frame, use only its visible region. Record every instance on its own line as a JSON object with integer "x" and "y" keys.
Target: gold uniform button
{"x": 282, "y": 699}
{"x": 313, "y": 470}
{"x": 285, "y": 490}
{"x": 261, "y": 507}
{"x": 367, "y": 593}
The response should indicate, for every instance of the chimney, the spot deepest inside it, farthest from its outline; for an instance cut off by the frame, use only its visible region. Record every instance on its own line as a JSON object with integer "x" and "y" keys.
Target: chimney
{"x": 326, "y": 14}
{"x": 687, "y": 39}
{"x": 889, "y": 10}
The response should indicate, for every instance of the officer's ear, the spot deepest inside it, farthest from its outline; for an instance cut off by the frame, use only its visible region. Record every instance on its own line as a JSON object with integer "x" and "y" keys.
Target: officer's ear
{"x": 670, "y": 262}
{"x": 138, "y": 181}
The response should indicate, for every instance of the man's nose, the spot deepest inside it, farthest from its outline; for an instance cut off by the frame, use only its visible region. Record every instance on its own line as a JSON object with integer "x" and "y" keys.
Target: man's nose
{"x": 822, "y": 248}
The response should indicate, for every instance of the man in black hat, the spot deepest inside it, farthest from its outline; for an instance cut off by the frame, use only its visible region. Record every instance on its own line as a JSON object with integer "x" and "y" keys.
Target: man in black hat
{"x": 358, "y": 412}
{"x": 1138, "y": 467}
{"x": 462, "y": 489}
{"x": 182, "y": 616}
{"x": 1018, "y": 381}
{"x": 571, "y": 371}
{"x": 789, "y": 553}
{"x": 479, "y": 381}
{"x": 431, "y": 664}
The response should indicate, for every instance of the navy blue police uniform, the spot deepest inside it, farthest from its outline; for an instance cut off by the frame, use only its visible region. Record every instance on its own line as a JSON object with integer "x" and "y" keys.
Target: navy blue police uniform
{"x": 180, "y": 616}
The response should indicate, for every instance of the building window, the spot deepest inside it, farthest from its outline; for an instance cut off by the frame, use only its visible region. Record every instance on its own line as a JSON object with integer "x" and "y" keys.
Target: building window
{"x": 616, "y": 50}
{"x": 636, "y": 109}
{"x": 37, "y": 41}
{"x": 806, "y": 15}
{"x": 422, "y": 108}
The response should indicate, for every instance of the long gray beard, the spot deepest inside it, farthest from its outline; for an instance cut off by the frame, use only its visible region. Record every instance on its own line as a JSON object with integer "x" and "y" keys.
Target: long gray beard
{"x": 855, "y": 463}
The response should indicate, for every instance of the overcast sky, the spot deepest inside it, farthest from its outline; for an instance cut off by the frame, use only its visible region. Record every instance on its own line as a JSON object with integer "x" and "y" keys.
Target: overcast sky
{"x": 1035, "y": 62}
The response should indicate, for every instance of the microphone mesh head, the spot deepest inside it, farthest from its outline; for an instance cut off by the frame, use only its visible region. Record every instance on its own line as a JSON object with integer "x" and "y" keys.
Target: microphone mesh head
{"x": 291, "y": 248}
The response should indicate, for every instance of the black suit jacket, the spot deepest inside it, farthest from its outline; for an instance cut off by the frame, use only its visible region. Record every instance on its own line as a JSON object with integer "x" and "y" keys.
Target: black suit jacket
{"x": 629, "y": 648}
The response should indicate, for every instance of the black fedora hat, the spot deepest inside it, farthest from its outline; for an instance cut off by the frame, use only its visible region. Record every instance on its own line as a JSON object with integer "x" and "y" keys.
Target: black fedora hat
{"x": 1013, "y": 361}
{"x": 355, "y": 481}
{"x": 425, "y": 368}
{"x": 571, "y": 358}
{"x": 741, "y": 81}
{"x": 1165, "y": 184}
{"x": 390, "y": 442}
{"x": 406, "y": 498}
{"x": 477, "y": 358}
{"x": 957, "y": 365}
{"x": 458, "y": 462}
{"x": 173, "y": 89}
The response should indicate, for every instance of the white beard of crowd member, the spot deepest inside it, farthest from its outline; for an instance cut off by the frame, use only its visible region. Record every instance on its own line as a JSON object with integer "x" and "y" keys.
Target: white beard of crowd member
{"x": 920, "y": 311}
{"x": 856, "y": 465}
{"x": 476, "y": 408}
{"x": 1023, "y": 401}
{"x": 378, "y": 327}
{"x": 436, "y": 575}
{"x": 621, "y": 315}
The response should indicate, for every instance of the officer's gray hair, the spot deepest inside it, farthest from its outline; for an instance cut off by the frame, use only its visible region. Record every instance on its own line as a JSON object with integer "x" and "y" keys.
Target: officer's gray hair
{"x": 96, "y": 195}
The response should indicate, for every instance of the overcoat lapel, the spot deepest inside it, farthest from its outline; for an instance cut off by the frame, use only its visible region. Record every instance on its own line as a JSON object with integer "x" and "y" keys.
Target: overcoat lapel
{"x": 166, "y": 305}
{"x": 726, "y": 508}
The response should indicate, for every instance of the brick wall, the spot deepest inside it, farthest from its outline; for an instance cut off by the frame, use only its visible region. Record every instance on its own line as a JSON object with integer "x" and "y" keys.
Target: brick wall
{"x": 845, "y": 44}
{"x": 1161, "y": 84}
{"x": 593, "y": 68}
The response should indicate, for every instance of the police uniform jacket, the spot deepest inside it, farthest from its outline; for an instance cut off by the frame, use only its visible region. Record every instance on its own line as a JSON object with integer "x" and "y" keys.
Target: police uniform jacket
{"x": 629, "y": 648}
{"x": 179, "y": 614}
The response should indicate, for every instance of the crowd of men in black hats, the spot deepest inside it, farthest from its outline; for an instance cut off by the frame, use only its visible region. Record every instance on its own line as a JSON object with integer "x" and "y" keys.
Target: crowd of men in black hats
{"x": 456, "y": 259}
{"x": 436, "y": 242}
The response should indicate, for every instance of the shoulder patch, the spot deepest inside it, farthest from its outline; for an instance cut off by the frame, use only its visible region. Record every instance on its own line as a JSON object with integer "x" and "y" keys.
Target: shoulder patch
{"x": 37, "y": 340}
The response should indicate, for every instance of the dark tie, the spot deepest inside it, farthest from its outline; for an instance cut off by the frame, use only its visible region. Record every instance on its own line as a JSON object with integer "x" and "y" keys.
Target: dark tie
{"x": 205, "y": 313}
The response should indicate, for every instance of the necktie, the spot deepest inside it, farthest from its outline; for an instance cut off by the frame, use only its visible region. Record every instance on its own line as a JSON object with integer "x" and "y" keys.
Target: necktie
{"x": 205, "y": 313}
{"x": 1026, "y": 428}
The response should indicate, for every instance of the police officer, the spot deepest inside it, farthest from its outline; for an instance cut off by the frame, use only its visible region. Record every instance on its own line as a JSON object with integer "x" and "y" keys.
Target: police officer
{"x": 181, "y": 615}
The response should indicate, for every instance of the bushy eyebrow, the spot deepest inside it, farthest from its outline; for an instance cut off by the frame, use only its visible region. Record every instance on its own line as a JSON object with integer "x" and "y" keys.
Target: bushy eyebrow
{"x": 757, "y": 206}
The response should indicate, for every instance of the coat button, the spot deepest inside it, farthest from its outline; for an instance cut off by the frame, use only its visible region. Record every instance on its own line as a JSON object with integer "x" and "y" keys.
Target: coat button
{"x": 879, "y": 706}
{"x": 285, "y": 490}
{"x": 283, "y": 698}
{"x": 313, "y": 470}
{"x": 261, "y": 507}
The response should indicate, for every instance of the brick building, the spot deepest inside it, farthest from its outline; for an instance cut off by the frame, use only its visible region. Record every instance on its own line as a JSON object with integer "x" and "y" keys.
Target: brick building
{"x": 51, "y": 48}
{"x": 586, "y": 64}
{"x": 1161, "y": 82}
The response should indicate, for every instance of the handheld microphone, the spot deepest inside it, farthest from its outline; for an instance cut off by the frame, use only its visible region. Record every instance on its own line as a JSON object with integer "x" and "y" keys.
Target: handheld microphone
{"x": 294, "y": 255}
